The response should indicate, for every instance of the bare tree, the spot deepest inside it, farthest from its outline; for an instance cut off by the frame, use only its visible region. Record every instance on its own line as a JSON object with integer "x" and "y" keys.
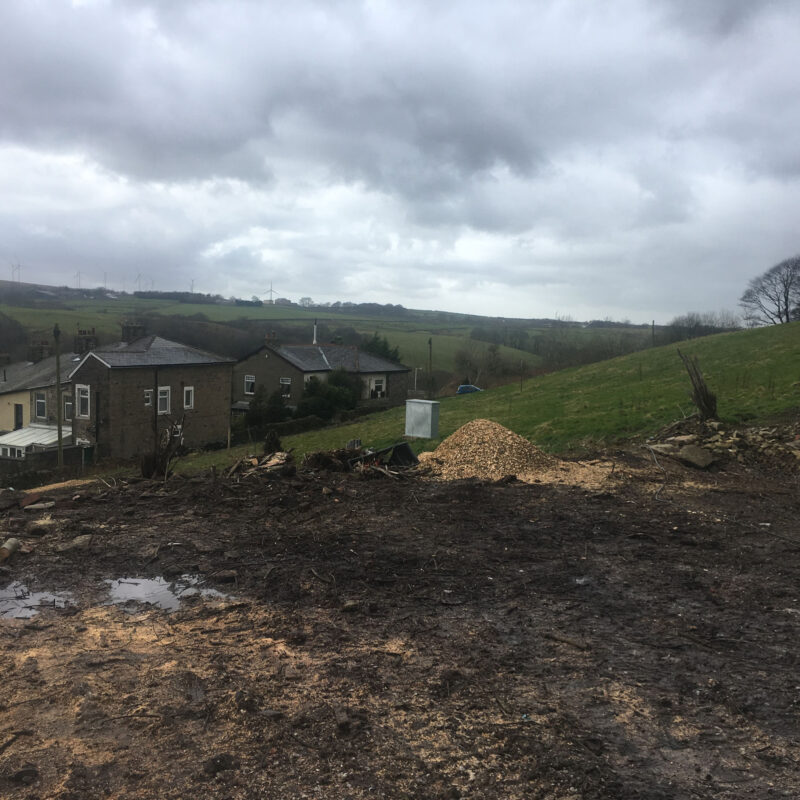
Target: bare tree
{"x": 772, "y": 298}
{"x": 702, "y": 396}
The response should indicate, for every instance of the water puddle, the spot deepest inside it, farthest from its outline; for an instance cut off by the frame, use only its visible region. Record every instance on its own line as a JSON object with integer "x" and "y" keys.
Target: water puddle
{"x": 131, "y": 593}
{"x": 17, "y": 602}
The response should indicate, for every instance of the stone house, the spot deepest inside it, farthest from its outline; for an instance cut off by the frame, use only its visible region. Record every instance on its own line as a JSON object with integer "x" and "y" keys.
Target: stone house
{"x": 289, "y": 367}
{"x": 126, "y": 394}
{"x": 28, "y": 397}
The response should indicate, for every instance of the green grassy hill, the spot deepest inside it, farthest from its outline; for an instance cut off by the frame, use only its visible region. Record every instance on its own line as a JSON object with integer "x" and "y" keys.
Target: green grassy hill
{"x": 410, "y": 336}
{"x": 754, "y": 373}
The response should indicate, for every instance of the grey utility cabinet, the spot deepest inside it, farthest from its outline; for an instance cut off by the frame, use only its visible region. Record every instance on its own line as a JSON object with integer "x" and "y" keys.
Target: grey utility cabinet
{"x": 422, "y": 418}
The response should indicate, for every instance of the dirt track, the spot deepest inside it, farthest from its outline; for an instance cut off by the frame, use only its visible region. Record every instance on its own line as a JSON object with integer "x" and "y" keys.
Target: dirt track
{"x": 413, "y": 639}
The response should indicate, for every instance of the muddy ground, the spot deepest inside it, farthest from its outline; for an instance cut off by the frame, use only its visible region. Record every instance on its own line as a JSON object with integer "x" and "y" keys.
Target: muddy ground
{"x": 630, "y": 636}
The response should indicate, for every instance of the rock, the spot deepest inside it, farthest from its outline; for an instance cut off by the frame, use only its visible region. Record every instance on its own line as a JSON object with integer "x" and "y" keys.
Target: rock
{"x": 39, "y": 506}
{"x": 220, "y": 763}
{"x": 82, "y": 542}
{"x": 342, "y": 718}
{"x": 695, "y": 456}
{"x": 41, "y": 527}
{"x": 665, "y": 449}
{"x": 226, "y": 576}
{"x": 687, "y": 438}
{"x": 26, "y": 776}
{"x": 349, "y": 606}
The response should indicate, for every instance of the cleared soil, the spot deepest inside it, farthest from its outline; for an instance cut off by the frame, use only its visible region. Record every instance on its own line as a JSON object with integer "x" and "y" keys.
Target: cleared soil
{"x": 624, "y": 628}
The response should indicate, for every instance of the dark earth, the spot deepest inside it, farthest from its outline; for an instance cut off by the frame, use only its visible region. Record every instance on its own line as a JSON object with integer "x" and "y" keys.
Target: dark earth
{"x": 407, "y": 638}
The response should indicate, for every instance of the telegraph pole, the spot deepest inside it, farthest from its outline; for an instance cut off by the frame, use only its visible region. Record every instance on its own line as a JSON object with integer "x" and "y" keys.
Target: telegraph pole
{"x": 57, "y": 337}
{"x": 430, "y": 368}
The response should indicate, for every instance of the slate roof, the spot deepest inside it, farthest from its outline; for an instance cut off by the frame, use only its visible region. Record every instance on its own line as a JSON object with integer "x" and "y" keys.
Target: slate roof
{"x": 24, "y": 375}
{"x": 327, "y": 357}
{"x": 152, "y": 351}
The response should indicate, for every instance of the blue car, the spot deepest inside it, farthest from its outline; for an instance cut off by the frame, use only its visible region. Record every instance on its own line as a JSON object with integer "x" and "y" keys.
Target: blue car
{"x": 467, "y": 388}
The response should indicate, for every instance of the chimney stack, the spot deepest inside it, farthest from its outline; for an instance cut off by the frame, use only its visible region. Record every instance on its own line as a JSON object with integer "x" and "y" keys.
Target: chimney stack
{"x": 131, "y": 331}
{"x": 84, "y": 341}
{"x": 38, "y": 350}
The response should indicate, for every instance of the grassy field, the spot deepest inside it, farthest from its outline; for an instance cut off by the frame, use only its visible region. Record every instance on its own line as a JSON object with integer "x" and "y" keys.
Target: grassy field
{"x": 413, "y": 347}
{"x": 410, "y": 336}
{"x": 755, "y": 374}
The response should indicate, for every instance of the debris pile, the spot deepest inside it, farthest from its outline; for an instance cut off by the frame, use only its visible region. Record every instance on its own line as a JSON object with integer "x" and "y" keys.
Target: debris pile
{"x": 719, "y": 443}
{"x": 280, "y": 463}
{"x": 486, "y": 450}
{"x": 391, "y": 461}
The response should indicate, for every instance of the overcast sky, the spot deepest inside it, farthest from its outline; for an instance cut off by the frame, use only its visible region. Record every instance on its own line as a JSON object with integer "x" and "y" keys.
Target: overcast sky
{"x": 619, "y": 159}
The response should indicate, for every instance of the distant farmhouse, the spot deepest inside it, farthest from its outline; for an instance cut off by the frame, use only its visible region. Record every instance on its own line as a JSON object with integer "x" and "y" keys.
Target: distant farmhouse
{"x": 287, "y": 368}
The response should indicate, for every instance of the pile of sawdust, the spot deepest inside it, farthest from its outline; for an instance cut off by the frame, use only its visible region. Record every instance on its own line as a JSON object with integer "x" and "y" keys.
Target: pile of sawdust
{"x": 486, "y": 450}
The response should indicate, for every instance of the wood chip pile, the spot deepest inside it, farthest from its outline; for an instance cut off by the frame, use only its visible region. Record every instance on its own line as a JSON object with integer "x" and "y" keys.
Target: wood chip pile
{"x": 486, "y": 450}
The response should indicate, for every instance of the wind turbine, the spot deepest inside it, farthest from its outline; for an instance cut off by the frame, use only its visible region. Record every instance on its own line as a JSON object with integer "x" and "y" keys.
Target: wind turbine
{"x": 270, "y": 292}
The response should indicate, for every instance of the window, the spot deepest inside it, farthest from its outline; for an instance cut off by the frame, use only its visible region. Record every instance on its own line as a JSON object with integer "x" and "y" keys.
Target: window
{"x": 377, "y": 388}
{"x": 69, "y": 408}
{"x": 286, "y": 387}
{"x": 82, "y": 401}
{"x": 41, "y": 405}
{"x": 188, "y": 396}
{"x": 249, "y": 384}
{"x": 163, "y": 399}
{"x": 148, "y": 397}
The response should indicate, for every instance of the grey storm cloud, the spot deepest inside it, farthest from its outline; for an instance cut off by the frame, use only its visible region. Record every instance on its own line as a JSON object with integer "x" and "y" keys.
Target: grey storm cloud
{"x": 344, "y": 146}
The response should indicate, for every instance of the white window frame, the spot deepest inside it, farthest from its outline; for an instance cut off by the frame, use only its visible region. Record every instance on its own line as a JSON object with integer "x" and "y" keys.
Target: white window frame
{"x": 83, "y": 392}
{"x": 68, "y": 403}
{"x": 40, "y": 397}
{"x": 148, "y": 398}
{"x": 250, "y": 379}
{"x": 286, "y": 387}
{"x": 164, "y": 392}
{"x": 190, "y": 391}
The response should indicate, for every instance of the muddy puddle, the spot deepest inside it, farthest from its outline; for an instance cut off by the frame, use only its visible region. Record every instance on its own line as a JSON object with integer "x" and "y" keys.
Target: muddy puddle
{"x": 18, "y": 602}
{"x": 130, "y": 594}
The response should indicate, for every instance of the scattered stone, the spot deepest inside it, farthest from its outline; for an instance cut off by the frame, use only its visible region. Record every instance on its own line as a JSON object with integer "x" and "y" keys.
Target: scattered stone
{"x": 349, "y": 606}
{"x": 342, "y": 718}
{"x": 41, "y": 527}
{"x": 220, "y": 763}
{"x": 25, "y": 776}
{"x": 82, "y": 542}
{"x": 665, "y": 448}
{"x": 695, "y": 456}
{"x": 39, "y": 506}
